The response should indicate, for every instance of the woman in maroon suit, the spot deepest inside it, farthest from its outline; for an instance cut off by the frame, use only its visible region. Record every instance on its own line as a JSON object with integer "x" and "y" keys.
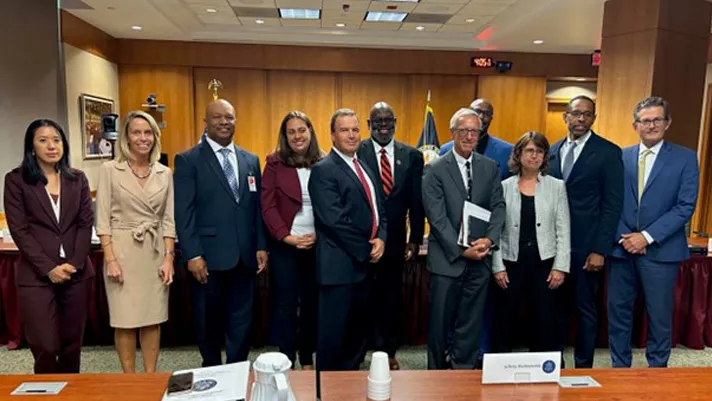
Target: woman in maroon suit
{"x": 49, "y": 212}
{"x": 287, "y": 212}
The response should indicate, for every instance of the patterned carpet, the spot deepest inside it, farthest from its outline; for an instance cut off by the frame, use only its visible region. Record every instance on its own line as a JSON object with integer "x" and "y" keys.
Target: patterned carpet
{"x": 104, "y": 359}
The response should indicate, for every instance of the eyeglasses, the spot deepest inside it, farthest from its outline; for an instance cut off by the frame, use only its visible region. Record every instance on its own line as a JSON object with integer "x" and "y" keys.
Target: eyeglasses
{"x": 577, "y": 114}
{"x": 483, "y": 113}
{"x": 533, "y": 151}
{"x": 465, "y": 132}
{"x": 658, "y": 122}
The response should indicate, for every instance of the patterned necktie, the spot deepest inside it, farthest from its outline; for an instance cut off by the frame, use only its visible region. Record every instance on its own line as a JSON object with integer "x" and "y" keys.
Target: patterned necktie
{"x": 230, "y": 173}
{"x": 468, "y": 168}
{"x": 386, "y": 174}
{"x": 362, "y": 178}
{"x": 641, "y": 172}
{"x": 568, "y": 161}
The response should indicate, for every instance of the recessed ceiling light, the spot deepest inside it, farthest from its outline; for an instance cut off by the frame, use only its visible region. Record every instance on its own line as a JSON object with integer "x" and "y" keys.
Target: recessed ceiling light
{"x": 299, "y": 13}
{"x": 470, "y": 20}
{"x": 136, "y": 28}
{"x": 210, "y": 10}
{"x": 259, "y": 21}
{"x": 375, "y": 16}
{"x": 538, "y": 42}
{"x": 340, "y": 24}
{"x": 420, "y": 27}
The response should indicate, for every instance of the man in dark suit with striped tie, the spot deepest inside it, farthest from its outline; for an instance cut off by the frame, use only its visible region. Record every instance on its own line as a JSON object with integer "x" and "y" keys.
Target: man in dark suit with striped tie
{"x": 400, "y": 168}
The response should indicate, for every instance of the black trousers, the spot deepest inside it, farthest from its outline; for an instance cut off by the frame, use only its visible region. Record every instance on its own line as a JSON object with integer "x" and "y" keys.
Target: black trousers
{"x": 344, "y": 325}
{"x": 295, "y": 296}
{"x": 223, "y": 310}
{"x": 54, "y": 318}
{"x": 386, "y": 306}
{"x": 457, "y": 306}
{"x": 528, "y": 286}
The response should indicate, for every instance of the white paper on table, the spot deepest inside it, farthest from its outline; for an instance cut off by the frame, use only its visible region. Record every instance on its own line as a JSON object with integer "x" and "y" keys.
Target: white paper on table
{"x": 216, "y": 383}
{"x": 39, "y": 388}
{"x": 469, "y": 209}
{"x": 521, "y": 367}
{"x": 578, "y": 382}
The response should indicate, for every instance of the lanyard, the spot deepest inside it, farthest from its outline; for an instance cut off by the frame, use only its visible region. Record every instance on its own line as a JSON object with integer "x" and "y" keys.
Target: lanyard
{"x": 56, "y": 210}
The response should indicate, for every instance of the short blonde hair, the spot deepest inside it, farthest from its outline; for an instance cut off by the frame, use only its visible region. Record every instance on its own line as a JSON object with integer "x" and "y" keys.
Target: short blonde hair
{"x": 122, "y": 143}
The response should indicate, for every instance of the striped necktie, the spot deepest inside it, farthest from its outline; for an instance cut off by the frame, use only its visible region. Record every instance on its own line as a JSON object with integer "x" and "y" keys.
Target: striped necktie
{"x": 641, "y": 173}
{"x": 386, "y": 173}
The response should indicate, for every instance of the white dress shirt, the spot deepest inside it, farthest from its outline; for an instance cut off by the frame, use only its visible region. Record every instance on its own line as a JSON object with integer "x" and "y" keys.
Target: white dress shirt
{"x": 649, "y": 162}
{"x": 580, "y": 143}
{"x": 390, "y": 155}
{"x": 350, "y": 162}
{"x": 232, "y": 156}
{"x": 463, "y": 169}
{"x": 303, "y": 222}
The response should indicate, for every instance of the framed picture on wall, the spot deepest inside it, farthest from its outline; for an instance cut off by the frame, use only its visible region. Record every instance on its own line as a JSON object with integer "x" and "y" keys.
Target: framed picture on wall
{"x": 91, "y": 109}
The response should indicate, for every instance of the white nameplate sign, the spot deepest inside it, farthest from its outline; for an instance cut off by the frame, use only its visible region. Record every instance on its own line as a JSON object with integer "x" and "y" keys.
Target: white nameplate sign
{"x": 522, "y": 367}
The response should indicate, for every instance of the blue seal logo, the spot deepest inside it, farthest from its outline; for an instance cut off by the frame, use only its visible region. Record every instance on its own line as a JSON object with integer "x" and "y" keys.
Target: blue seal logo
{"x": 548, "y": 366}
{"x": 204, "y": 385}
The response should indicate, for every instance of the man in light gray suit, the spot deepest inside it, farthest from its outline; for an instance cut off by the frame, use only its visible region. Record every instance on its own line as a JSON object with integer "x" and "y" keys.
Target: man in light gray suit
{"x": 459, "y": 276}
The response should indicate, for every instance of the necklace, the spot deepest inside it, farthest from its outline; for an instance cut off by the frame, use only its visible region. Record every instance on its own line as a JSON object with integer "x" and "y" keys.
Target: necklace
{"x": 139, "y": 176}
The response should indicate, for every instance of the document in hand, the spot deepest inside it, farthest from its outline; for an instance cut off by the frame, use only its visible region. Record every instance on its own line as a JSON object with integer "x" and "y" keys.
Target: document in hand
{"x": 475, "y": 220}
{"x": 216, "y": 383}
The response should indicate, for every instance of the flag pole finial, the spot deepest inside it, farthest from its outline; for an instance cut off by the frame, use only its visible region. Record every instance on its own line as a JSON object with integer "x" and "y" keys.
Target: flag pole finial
{"x": 428, "y": 96}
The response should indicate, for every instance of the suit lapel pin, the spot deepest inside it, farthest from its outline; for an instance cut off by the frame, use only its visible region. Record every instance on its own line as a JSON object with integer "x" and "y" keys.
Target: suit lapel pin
{"x": 398, "y": 162}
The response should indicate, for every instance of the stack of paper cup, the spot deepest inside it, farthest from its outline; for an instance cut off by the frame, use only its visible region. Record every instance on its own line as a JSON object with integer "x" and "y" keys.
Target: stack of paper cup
{"x": 379, "y": 378}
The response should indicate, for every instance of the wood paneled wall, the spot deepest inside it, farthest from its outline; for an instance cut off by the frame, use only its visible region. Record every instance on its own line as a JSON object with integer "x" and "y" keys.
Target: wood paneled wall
{"x": 174, "y": 88}
{"x": 520, "y": 104}
{"x": 262, "y": 98}
{"x": 86, "y": 37}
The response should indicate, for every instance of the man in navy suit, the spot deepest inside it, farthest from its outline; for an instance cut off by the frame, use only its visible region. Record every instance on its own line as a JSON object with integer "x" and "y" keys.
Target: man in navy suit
{"x": 351, "y": 230}
{"x": 593, "y": 171}
{"x": 221, "y": 234}
{"x": 401, "y": 173}
{"x": 499, "y": 151}
{"x": 488, "y": 145}
{"x": 660, "y": 193}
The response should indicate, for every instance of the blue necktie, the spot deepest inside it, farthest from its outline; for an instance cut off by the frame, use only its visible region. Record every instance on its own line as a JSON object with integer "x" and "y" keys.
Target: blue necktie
{"x": 568, "y": 161}
{"x": 230, "y": 173}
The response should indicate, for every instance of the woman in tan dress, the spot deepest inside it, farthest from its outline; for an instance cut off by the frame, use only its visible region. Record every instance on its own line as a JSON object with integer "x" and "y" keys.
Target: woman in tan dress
{"x": 137, "y": 230}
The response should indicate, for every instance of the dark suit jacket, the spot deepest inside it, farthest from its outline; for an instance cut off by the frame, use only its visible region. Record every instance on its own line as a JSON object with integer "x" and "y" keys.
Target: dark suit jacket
{"x": 668, "y": 201}
{"x": 444, "y": 195}
{"x": 405, "y": 200}
{"x": 281, "y": 196}
{"x": 595, "y": 190}
{"x": 343, "y": 218}
{"x": 38, "y": 236}
{"x": 209, "y": 221}
{"x": 497, "y": 150}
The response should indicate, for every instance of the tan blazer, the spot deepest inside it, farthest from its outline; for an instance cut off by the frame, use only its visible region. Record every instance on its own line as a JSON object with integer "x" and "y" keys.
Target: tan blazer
{"x": 553, "y": 227}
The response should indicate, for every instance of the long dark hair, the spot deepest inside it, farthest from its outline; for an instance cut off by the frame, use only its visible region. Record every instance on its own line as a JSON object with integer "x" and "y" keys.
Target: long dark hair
{"x": 31, "y": 171}
{"x": 286, "y": 154}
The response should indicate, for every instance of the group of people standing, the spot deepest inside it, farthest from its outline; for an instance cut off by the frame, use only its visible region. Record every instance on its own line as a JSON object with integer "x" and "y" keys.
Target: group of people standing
{"x": 336, "y": 229}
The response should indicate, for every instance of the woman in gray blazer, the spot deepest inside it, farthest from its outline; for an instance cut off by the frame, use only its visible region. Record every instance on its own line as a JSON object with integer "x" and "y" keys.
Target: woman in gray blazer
{"x": 533, "y": 256}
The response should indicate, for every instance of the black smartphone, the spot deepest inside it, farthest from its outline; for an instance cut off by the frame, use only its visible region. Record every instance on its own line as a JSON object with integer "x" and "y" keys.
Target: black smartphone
{"x": 180, "y": 384}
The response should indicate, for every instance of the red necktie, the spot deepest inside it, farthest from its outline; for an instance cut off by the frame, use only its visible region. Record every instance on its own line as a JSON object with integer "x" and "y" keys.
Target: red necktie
{"x": 386, "y": 175}
{"x": 362, "y": 178}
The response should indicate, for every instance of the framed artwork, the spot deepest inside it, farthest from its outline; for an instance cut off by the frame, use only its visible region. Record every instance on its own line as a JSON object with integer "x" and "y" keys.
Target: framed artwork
{"x": 91, "y": 109}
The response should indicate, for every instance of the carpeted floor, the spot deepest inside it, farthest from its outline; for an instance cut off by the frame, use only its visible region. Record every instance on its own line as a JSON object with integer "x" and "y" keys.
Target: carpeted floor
{"x": 104, "y": 359}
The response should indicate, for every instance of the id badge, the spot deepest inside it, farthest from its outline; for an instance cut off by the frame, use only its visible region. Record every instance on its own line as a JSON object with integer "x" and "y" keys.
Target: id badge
{"x": 252, "y": 183}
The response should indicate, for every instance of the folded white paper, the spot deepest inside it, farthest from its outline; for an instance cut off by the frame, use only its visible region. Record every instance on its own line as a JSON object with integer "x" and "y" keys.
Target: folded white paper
{"x": 578, "y": 382}
{"x": 216, "y": 383}
{"x": 39, "y": 388}
{"x": 471, "y": 211}
{"x": 522, "y": 367}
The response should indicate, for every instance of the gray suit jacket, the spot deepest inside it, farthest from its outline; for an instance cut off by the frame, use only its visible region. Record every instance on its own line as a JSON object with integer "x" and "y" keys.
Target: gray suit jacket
{"x": 444, "y": 195}
{"x": 553, "y": 228}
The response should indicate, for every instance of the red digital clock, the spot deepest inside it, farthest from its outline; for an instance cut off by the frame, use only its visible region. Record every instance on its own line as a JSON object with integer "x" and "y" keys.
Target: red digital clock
{"x": 482, "y": 62}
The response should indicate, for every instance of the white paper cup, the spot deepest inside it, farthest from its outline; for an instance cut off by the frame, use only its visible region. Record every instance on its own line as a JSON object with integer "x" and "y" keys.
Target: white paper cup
{"x": 379, "y": 390}
{"x": 379, "y": 370}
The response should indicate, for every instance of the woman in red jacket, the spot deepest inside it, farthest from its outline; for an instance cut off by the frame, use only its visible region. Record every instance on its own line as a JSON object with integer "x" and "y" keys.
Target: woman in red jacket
{"x": 287, "y": 212}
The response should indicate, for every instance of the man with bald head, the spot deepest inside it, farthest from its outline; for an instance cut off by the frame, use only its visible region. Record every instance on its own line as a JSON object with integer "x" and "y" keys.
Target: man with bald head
{"x": 488, "y": 145}
{"x": 400, "y": 168}
{"x": 220, "y": 229}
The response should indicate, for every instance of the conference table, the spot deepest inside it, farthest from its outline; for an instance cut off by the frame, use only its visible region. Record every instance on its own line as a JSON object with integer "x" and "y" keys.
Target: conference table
{"x": 692, "y": 321}
{"x": 616, "y": 384}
